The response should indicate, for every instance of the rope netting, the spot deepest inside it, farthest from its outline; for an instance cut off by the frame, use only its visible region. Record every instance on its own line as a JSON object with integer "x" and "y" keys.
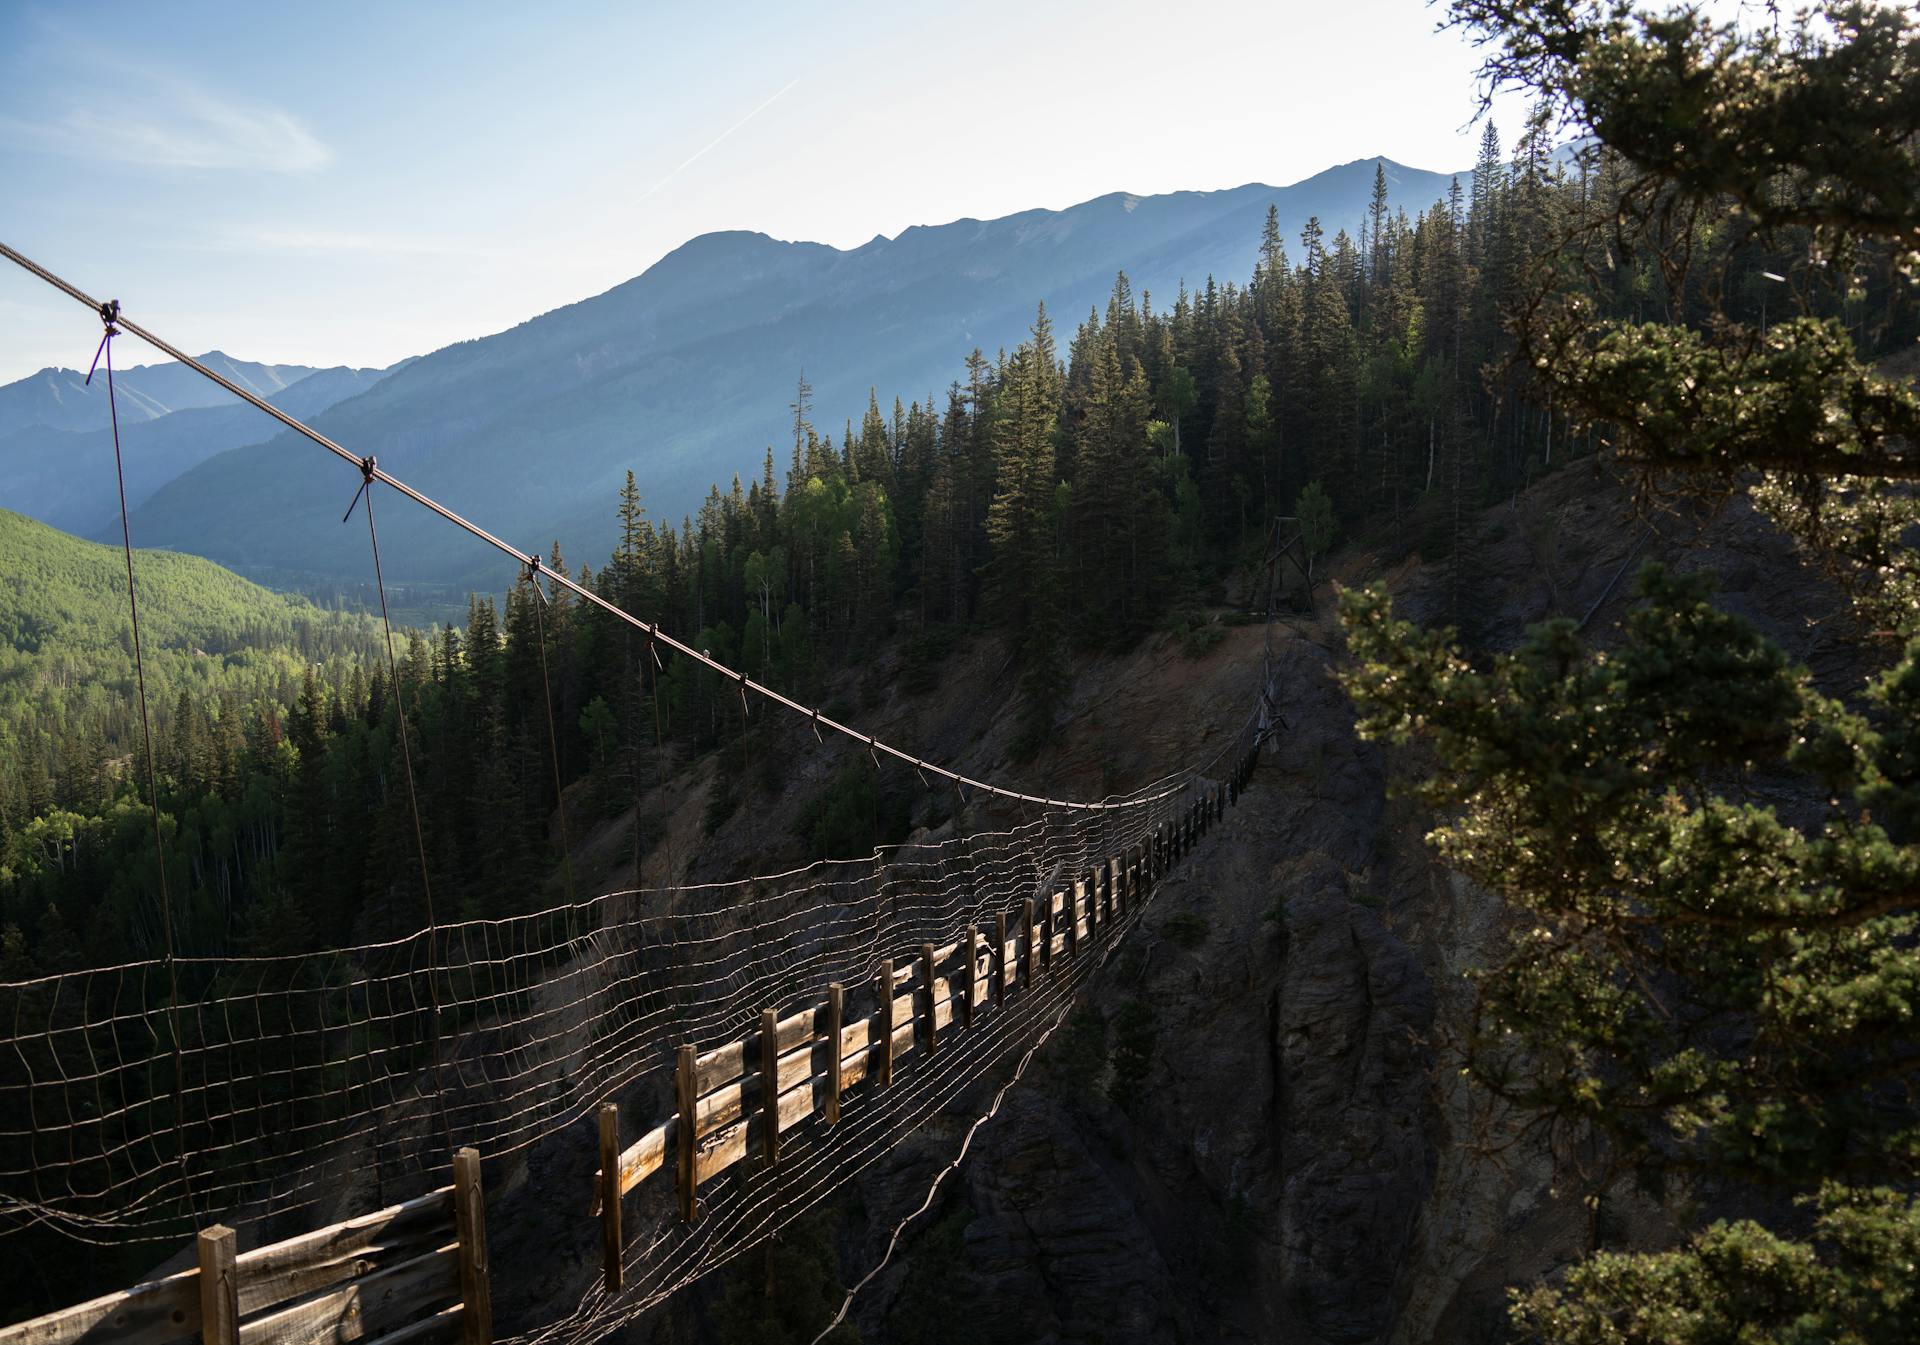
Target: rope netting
{"x": 296, "y": 1079}
{"x": 665, "y": 1254}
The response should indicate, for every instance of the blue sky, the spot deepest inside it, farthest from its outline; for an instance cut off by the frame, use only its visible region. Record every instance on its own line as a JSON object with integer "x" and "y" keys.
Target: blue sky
{"x": 345, "y": 183}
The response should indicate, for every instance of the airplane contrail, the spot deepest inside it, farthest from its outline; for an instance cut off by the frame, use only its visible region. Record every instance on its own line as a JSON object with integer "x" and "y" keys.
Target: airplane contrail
{"x": 688, "y": 161}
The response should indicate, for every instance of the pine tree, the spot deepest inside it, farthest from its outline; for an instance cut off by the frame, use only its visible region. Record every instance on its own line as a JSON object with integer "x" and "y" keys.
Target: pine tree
{"x": 1710, "y": 989}
{"x": 1024, "y": 587}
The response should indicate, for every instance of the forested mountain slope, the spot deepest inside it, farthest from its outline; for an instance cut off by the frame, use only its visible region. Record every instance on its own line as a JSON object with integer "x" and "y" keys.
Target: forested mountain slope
{"x": 219, "y": 652}
{"x": 685, "y": 373}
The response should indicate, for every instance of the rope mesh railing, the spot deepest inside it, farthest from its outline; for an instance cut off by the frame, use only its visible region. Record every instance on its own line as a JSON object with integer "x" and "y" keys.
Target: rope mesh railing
{"x": 297, "y": 1073}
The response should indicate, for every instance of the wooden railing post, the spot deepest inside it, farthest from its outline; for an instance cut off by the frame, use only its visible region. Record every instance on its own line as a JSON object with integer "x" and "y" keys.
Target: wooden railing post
{"x": 770, "y": 1086}
{"x": 933, "y": 1007}
{"x": 219, "y": 1287}
{"x": 973, "y": 971}
{"x": 1046, "y": 933}
{"x": 836, "y": 1011}
{"x": 883, "y": 1047}
{"x": 610, "y": 1196}
{"x": 470, "y": 1222}
{"x": 1026, "y": 941}
{"x": 999, "y": 958}
{"x": 686, "y": 1087}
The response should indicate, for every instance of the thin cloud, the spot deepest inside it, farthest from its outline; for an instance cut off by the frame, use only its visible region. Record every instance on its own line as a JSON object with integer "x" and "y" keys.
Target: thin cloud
{"x": 167, "y": 121}
{"x": 333, "y": 241}
{"x": 691, "y": 158}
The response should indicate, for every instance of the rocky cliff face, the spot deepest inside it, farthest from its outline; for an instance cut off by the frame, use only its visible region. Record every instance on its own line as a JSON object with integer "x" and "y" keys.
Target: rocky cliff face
{"x": 1252, "y": 1129}
{"x": 1236, "y": 1137}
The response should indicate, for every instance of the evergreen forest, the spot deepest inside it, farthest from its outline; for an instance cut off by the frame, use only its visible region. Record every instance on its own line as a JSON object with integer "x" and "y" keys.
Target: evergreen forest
{"x": 1069, "y": 495}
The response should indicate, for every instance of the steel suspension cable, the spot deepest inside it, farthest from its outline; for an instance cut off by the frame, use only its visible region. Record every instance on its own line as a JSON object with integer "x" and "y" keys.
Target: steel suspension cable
{"x": 652, "y": 630}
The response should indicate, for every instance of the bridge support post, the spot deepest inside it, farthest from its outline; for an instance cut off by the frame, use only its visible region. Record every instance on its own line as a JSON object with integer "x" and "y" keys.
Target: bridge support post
{"x": 1027, "y": 950}
{"x": 836, "y": 1011}
{"x": 1046, "y": 932}
{"x": 686, "y": 1087}
{"x": 219, "y": 1286}
{"x": 966, "y": 1000}
{"x": 883, "y": 1048}
{"x": 999, "y": 959}
{"x": 470, "y": 1224}
{"x": 770, "y": 1086}
{"x": 931, "y": 986}
{"x": 610, "y": 1196}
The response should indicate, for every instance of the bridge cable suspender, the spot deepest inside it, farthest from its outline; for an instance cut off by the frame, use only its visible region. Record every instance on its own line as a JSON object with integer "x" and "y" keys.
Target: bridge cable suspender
{"x": 109, "y": 315}
{"x": 369, "y": 474}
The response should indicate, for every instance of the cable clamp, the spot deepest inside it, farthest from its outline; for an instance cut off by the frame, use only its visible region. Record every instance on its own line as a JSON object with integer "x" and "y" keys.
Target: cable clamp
{"x": 367, "y": 466}
{"x": 108, "y": 312}
{"x": 816, "y": 727}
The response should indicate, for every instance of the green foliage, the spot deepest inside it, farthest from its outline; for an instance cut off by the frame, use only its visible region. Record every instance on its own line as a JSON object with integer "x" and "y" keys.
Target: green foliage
{"x": 66, "y": 650}
{"x": 1318, "y": 524}
{"x": 925, "y": 653}
{"x": 1721, "y": 988}
{"x": 1856, "y": 1281}
{"x": 1197, "y": 631}
{"x": 850, "y": 818}
{"x": 1578, "y": 787}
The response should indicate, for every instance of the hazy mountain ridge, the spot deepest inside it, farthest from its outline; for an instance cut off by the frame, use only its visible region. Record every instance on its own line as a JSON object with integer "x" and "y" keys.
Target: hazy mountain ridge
{"x": 62, "y": 399}
{"x": 64, "y": 475}
{"x": 685, "y": 372}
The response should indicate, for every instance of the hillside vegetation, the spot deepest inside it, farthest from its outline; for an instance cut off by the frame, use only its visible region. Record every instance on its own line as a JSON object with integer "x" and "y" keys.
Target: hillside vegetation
{"x": 219, "y": 651}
